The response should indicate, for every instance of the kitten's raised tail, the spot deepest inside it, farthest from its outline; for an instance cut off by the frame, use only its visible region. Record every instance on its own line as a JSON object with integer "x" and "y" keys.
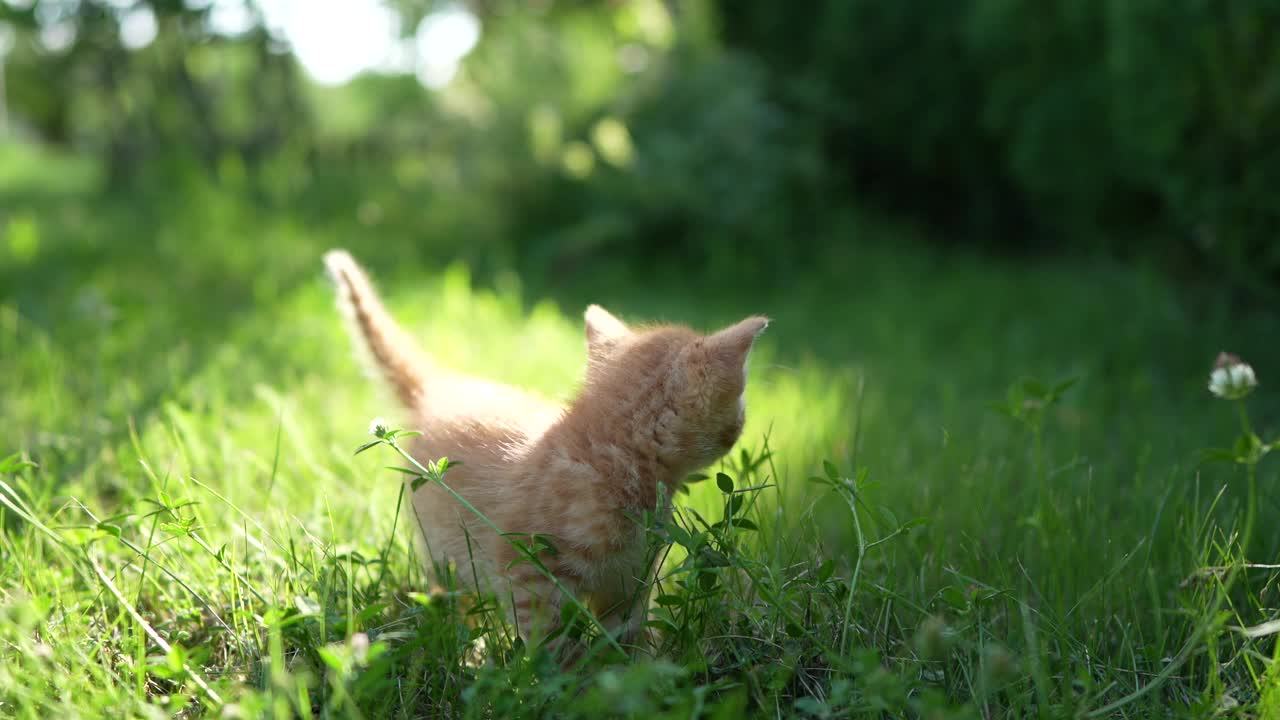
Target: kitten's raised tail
{"x": 392, "y": 353}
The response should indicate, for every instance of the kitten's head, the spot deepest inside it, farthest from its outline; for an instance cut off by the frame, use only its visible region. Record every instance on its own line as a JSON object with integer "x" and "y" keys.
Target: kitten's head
{"x": 693, "y": 383}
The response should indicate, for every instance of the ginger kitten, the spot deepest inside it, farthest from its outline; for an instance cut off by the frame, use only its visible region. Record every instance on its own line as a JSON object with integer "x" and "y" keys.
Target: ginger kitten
{"x": 657, "y": 403}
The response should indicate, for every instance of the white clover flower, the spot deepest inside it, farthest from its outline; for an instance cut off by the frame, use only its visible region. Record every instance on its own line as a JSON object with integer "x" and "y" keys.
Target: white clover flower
{"x": 378, "y": 427}
{"x": 1232, "y": 378}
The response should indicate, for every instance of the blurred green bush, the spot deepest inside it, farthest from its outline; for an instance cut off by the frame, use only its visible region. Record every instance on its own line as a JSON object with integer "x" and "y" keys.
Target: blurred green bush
{"x": 1139, "y": 127}
{"x": 728, "y": 136}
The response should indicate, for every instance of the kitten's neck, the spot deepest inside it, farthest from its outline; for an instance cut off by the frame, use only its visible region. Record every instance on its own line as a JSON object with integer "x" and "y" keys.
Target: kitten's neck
{"x": 625, "y": 446}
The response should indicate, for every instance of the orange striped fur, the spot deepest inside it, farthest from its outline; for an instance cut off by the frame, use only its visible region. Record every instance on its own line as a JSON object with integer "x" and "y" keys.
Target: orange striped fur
{"x": 656, "y": 404}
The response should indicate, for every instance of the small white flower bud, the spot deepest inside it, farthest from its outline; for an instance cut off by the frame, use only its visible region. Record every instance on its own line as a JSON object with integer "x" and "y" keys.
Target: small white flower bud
{"x": 378, "y": 427}
{"x": 1232, "y": 378}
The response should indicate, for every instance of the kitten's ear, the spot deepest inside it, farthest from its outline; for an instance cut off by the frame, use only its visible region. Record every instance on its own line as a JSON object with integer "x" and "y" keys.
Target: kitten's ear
{"x": 603, "y": 329}
{"x": 732, "y": 344}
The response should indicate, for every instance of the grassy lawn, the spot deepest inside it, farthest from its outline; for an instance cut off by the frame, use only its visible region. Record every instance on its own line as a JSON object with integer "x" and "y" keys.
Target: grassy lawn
{"x": 197, "y": 537}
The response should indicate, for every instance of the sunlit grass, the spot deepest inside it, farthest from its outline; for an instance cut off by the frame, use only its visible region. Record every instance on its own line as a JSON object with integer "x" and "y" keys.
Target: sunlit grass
{"x": 199, "y": 405}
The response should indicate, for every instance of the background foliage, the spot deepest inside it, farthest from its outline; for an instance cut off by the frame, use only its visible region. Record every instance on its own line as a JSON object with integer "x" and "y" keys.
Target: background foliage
{"x": 1134, "y": 127}
{"x": 1140, "y": 129}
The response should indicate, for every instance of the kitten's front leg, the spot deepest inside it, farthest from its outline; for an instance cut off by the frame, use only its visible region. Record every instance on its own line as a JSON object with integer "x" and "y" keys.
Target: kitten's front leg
{"x": 623, "y": 608}
{"x": 535, "y": 603}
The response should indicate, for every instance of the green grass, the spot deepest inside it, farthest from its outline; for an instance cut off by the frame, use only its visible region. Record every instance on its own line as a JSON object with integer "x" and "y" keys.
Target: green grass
{"x": 196, "y": 536}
